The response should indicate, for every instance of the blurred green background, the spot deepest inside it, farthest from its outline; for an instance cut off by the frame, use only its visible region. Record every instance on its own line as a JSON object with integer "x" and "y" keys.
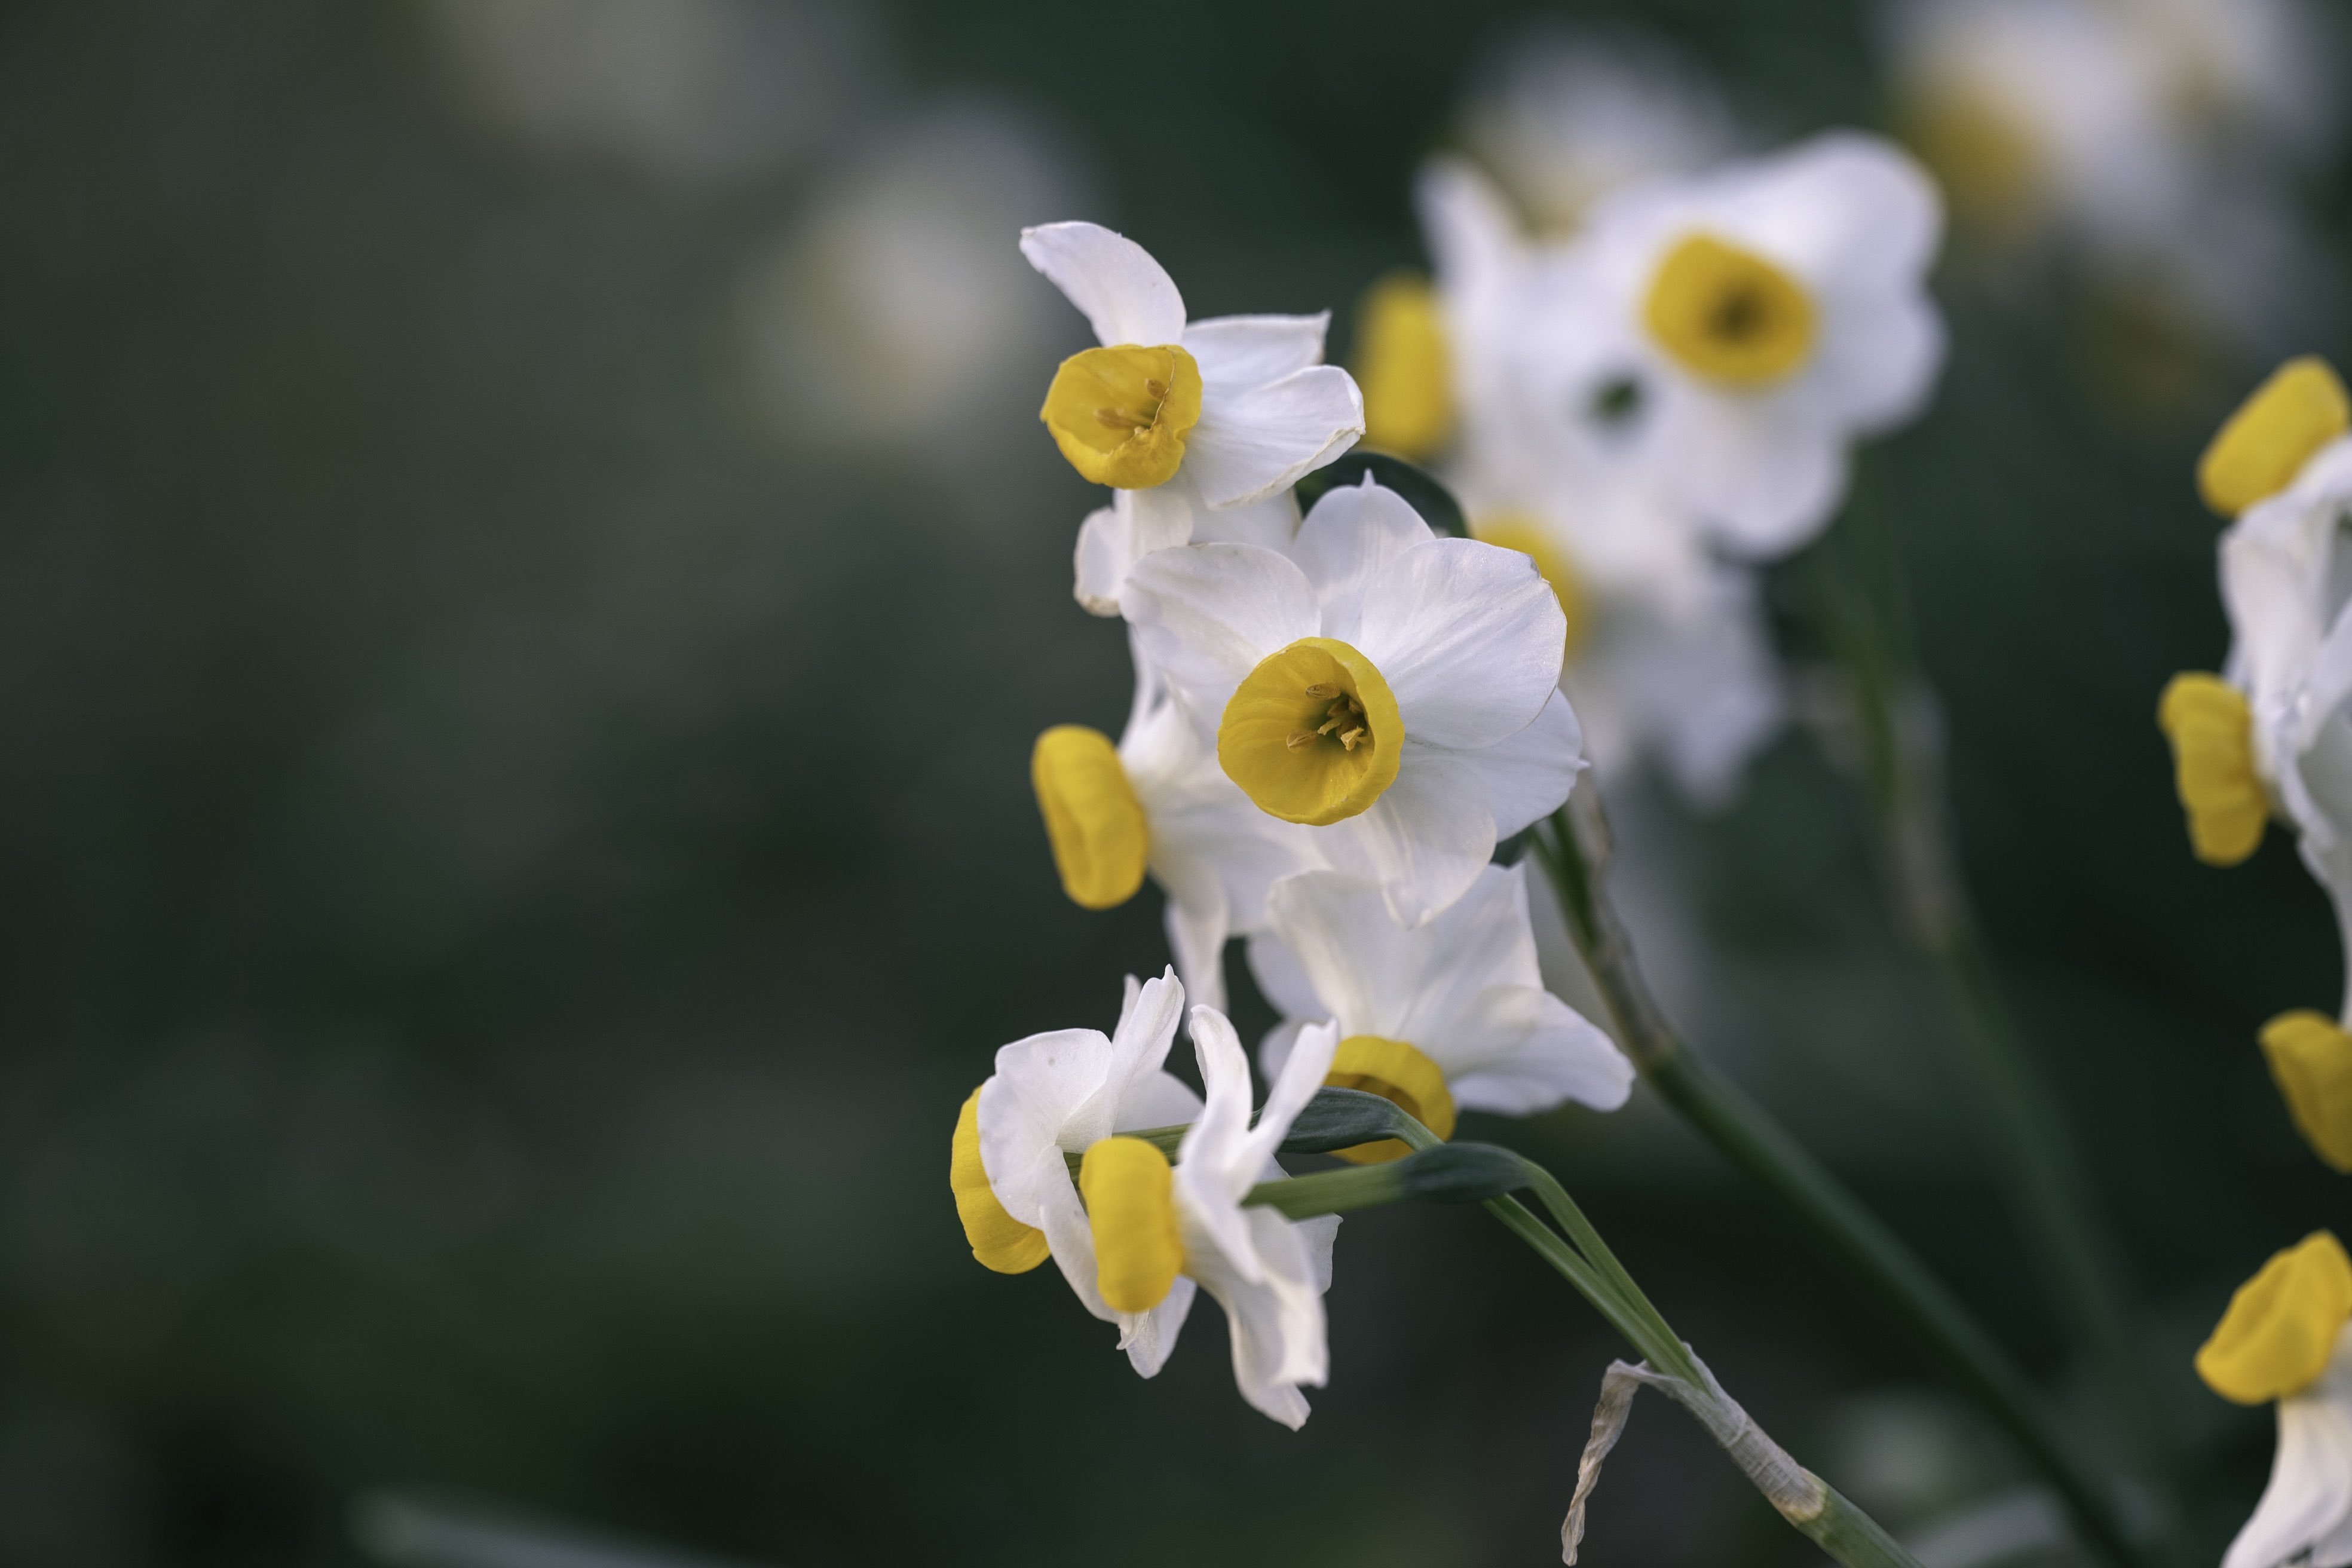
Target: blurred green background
{"x": 522, "y": 622}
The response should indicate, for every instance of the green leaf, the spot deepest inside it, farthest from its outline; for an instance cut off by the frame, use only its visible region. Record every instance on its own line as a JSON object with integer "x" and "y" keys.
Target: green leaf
{"x": 1418, "y": 486}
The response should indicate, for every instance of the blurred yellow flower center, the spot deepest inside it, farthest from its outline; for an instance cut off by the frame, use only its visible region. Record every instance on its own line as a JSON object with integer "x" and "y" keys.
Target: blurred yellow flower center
{"x": 1120, "y": 414}
{"x": 2212, "y": 735}
{"x": 998, "y": 1240}
{"x": 1728, "y": 315}
{"x": 1518, "y": 531}
{"x": 2261, "y": 447}
{"x": 1312, "y": 734}
{"x": 1093, "y": 820}
{"x": 1986, "y": 160}
{"x": 2311, "y": 1061}
{"x": 1402, "y": 368}
{"x": 1396, "y": 1072}
{"x": 1131, "y": 1208}
{"x": 2281, "y": 1328}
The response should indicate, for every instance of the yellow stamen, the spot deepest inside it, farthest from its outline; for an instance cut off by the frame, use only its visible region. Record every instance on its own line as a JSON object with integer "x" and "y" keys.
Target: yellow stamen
{"x": 1131, "y": 1208}
{"x": 2261, "y": 447}
{"x": 1268, "y": 744}
{"x": 1402, "y": 366}
{"x": 2212, "y": 731}
{"x": 2311, "y": 1062}
{"x": 1518, "y": 531}
{"x": 1120, "y": 414}
{"x": 998, "y": 1240}
{"x": 2282, "y": 1325}
{"x": 1729, "y": 315}
{"x": 1395, "y": 1071}
{"x": 1101, "y": 841}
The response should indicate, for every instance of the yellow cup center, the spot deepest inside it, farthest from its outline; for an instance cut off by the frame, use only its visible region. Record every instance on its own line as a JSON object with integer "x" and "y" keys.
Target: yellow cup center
{"x": 1093, "y": 819}
{"x": 1728, "y": 315}
{"x": 1518, "y": 531}
{"x": 2212, "y": 735}
{"x": 1120, "y": 414}
{"x": 2310, "y": 1058}
{"x": 2261, "y": 447}
{"x": 1399, "y": 1073}
{"x": 2281, "y": 1327}
{"x": 1131, "y": 1209}
{"x": 1402, "y": 366}
{"x": 1312, "y": 734}
{"x": 998, "y": 1240}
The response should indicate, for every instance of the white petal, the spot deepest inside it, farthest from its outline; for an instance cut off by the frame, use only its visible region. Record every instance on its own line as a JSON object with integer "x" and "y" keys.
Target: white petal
{"x": 1469, "y": 636}
{"x": 1275, "y": 1322}
{"x": 1518, "y": 1051}
{"x": 1115, "y": 537}
{"x": 1529, "y": 775}
{"x": 1248, "y": 351}
{"x": 1157, "y": 1100}
{"x": 1127, "y": 297}
{"x": 1762, "y": 474}
{"x": 2309, "y": 1497}
{"x": 1141, "y": 1043}
{"x": 1424, "y": 839}
{"x": 1254, "y": 440}
{"x": 1148, "y": 1337}
{"x": 1274, "y": 1050}
{"x": 1071, "y": 1240}
{"x": 1197, "y": 930}
{"x": 1206, "y": 614}
{"x": 1352, "y": 531}
{"x": 1027, "y": 1107}
{"x": 1473, "y": 237}
{"x": 1843, "y": 210}
{"x": 1281, "y": 979}
{"x": 1353, "y": 954}
{"x": 1303, "y": 1072}
{"x": 1272, "y": 523}
{"x": 1321, "y": 1236}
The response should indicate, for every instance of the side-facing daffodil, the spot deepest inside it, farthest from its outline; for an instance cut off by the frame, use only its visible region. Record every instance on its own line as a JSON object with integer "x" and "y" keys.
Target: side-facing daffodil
{"x": 1202, "y": 427}
{"x": 1439, "y": 1018}
{"x": 2283, "y": 1341}
{"x": 1058, "y": 1094}
{"x": 1396, "y": 692}
{"x": 1770, "y": 312}
{"x": 1159, "y": 800}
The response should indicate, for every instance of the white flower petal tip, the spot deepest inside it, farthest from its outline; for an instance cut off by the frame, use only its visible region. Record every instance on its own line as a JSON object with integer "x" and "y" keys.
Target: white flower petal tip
{"x": 1124, "y": 294}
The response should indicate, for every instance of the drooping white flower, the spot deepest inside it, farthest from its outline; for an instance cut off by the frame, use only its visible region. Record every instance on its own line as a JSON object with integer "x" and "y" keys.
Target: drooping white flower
{"x": 1159, "y": 802}
{"x": 1447, "y": 1015}
{"x": 1202, "y": 427}
{"x": 2287, "y": 1338}
{"x": 1396, "y": 692}
{"x": 1057, "y": 1094}
{"x": 1764, "y": 316}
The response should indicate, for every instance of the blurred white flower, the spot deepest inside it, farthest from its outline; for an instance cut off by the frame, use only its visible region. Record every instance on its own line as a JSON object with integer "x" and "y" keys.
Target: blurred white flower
{"x": 1565, "y": 117}
{"x": 1200, "y": 427}
{"x": 694, "y": 90}
{"x": 1396, "y": 692}
{"x": 1448, "y": 1016}
{"x": 891, "y": 319}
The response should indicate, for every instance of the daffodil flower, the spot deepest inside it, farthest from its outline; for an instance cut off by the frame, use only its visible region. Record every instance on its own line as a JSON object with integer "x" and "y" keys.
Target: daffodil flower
{"x": 1396, "y": 692}
{"x": 1057, "y": 1094}
{"x": 1770, "y": 313}
{"x": 1202, "y": 427}
{"x": 2286, "y": 1340}
{"x": 1158, "y": 801}
{"x": 1441, "y": 1017}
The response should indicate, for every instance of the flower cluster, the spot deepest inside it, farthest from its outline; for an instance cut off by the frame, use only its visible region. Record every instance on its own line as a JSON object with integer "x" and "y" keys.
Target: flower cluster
{"x": 1337, "y": 718}
{"x": 1660, "y": 400}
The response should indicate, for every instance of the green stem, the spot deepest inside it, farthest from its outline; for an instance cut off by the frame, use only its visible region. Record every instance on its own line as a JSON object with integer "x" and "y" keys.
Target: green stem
{"x": 1575, "y": 856}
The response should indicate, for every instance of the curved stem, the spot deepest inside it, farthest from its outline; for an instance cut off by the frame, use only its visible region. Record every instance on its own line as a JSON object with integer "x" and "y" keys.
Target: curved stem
{"x": 1574, "y": 853}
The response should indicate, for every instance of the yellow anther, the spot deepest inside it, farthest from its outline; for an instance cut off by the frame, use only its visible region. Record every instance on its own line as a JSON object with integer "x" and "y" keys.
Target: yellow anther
{"x": 1402, "y": 366}
{"x": 1131, "y": 1209}
{"x": 1120, "y": 414}
{"x": 1259, "y": 741}
{"x": 1519, "y": 531}
{"x": 998, "y": 1240}
{"x": 1729, "y": 315}
{"x": 2261, "y": 447}
{"x": 2282, "y": 1325}
{"x": 2212, "y": 735}
{"x": 2311, "y": 1062}
{"x": 1101, "y": 841}
{"x": 1397, "y": 1072}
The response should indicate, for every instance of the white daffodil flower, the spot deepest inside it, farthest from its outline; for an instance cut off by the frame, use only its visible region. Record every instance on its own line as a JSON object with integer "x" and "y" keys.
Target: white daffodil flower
{"x": 1396, "y": 692}
{"x": 1057, "y": 1094}
{"x": 1438, "y": 1017}
{"x": 1668, "y": 653}
{"x": 1761, "y": 317}
{"x": 1159, "y": 802}
{"x": 1202, "y": 427}
{"x": 2287, "y": 1339}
